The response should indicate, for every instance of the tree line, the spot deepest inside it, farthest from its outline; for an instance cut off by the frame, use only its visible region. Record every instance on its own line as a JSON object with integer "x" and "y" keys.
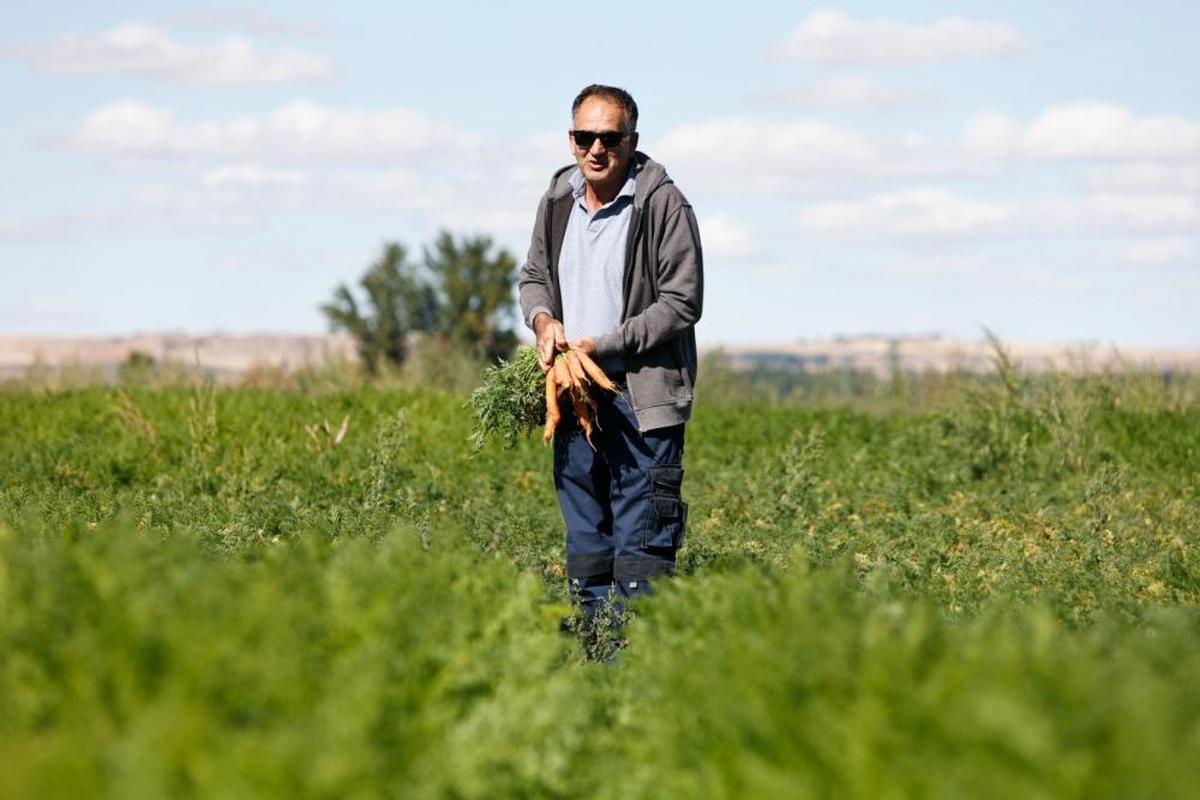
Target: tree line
{"x": 460, "y": 291}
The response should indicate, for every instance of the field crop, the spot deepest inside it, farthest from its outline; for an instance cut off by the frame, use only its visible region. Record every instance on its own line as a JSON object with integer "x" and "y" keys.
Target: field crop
{"x": 325, "y": 591}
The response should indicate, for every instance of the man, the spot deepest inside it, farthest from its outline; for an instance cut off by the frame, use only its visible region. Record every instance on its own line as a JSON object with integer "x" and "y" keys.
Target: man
{"x": 615, "y": 269}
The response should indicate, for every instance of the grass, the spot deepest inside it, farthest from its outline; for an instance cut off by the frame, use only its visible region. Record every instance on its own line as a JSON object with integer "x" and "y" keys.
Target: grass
{"x": 974, "y": 587}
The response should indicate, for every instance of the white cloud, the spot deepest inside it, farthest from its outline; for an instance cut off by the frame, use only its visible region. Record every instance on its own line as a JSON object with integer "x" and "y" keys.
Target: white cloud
{"x": 188, "y": 209}
{"x": 338, "y": 189}
{"x": 217, "y": 174}
{"x": 298, "y": 131}
{"x": 791, "y": 157}
{"x": 774, "y": 149}
{"x": 991, "y": 133}
{"x": 931, "y": 213}
{"x": 1084, "y": 130}
{"x": 1145, "y": 177}
{"x": 240, "y": 196}
{"x": 1162, "y": 251}
{"x": 253, "y": 175}
{"x": 831, "y": 37}
{"x": 912, "y": 213}
{"x": 244, "y": 196}
{"x": 550, "y": 148}
{"x": 846, "y": 92}
{"x": 458, "y": 203}
{"x": 146, "y": 50}
{"x": 384, "y": 190}
{"x": 725, "y": 237}
{"x": 250, "y": 21}
{"x": 1106, "y": 212}
{"x": 40, "y": 231}
{"x": 507, "y": 223}
{"x": 247, "y": 196}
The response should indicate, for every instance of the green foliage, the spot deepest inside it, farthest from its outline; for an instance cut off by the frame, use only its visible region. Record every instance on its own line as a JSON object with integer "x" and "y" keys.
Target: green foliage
{"x": 995, "y": 595}
{"x": 799, "y": 685}
{"x": 461, "y": 294}
{"x": 437, "y": 361}
{"x": 512, "y": 400}
{"x": 475, "y": 294}
{"x": 137, "y": 368}
{"x": 142, "y": 666}
{"x": 398, "y": 304}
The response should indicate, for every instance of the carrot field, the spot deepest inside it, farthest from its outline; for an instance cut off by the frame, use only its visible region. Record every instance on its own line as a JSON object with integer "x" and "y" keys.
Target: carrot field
{"x": 988, "y": 588}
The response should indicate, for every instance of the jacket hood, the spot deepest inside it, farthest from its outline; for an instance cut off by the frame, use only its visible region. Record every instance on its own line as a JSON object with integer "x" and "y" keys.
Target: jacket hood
{"x": 649, "y": 175}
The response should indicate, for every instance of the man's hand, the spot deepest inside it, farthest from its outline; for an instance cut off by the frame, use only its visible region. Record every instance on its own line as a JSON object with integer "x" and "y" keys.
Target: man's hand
{"x": 585, "y": 345}
{"x": 550, "y": 338}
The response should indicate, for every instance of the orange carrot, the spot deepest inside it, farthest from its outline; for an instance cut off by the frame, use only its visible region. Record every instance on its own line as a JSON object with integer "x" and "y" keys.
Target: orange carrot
{"x": 594, "y": 372}
{"x": 553, "y": 414}
{"x": 562, "y": 374}
{"x": 579, "y": 377}
{"x": 585, "y": 421}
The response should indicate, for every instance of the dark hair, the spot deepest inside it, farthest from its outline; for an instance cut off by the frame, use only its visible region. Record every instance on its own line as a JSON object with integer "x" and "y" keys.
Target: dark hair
{"x": 613, "y": 93}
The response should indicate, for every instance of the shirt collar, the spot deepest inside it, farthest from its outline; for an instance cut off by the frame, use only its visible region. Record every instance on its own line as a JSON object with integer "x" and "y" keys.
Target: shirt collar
{"x": 576, "y": 181}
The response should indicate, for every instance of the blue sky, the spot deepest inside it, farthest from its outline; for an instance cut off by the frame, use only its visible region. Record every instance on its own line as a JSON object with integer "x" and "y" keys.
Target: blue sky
{"x": 861, "y": 167}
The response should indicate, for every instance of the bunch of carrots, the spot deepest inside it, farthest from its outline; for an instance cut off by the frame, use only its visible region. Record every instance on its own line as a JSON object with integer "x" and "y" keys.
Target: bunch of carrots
{"x": 573, "y": 372}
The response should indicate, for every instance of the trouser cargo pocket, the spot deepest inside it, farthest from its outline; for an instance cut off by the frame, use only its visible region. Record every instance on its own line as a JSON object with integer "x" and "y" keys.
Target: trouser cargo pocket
{"x": 666, "y": 513}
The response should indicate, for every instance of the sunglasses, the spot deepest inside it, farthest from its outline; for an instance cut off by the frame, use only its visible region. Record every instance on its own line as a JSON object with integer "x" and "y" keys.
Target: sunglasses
{"x": 610, "y": 139}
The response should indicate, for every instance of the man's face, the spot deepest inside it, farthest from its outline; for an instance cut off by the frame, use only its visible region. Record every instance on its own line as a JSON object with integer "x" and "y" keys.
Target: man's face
{"x": 598, "y": 163}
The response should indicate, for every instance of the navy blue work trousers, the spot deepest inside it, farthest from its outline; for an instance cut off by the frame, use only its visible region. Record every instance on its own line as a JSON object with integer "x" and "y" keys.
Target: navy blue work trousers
{"x": 620, "y": 500}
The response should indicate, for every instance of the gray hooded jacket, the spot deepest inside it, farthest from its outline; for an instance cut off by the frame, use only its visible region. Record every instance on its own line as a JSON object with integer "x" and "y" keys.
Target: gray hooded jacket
{"x": 662, "y": 294}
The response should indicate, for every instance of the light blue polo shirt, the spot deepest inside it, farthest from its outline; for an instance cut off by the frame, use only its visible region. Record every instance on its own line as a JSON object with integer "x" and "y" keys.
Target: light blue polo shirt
{"x": 591, "y": 266}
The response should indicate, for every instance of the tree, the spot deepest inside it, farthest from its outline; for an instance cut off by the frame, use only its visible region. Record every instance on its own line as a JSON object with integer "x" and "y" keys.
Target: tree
{"x": 394, "y": 308}
{"x": 475, "y": 294}
{"x": 460, "y": 293}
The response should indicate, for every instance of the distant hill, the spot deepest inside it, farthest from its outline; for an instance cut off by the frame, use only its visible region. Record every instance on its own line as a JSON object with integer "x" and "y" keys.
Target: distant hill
{"x": 881, "y": 354}
{"x": 230, "y": 354}
{"x": 218, "y": 353}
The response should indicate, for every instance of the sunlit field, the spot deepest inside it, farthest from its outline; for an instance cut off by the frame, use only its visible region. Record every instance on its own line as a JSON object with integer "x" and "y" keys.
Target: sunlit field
{"x": 963, "y": 586}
